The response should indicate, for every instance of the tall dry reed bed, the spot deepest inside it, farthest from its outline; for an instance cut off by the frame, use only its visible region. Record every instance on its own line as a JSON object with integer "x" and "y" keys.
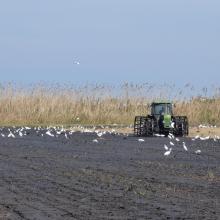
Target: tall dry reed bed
{"x": 100, "y": 104}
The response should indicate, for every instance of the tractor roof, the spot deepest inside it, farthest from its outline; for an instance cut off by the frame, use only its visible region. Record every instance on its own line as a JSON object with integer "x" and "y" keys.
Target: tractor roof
{"x": 162, "y": 102}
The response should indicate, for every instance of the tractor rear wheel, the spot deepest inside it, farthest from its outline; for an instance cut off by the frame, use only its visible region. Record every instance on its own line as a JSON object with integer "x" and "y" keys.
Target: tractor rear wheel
{"x": 143, "y": 126}
{"x": 181, "y": 126}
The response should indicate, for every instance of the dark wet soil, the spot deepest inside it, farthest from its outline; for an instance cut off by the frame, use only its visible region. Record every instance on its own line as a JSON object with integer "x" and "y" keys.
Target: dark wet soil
{"x": 116, "y": 178}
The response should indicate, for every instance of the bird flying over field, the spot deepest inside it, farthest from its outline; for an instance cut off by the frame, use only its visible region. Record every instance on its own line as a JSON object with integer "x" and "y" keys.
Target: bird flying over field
{"x": 76, "y": 62}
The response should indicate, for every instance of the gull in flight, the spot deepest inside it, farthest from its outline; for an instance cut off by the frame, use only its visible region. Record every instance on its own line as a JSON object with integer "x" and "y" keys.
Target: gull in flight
{"x": 20, "y": 134}
{"x": 11, "y": 135}
{"x": 76, "y": 62}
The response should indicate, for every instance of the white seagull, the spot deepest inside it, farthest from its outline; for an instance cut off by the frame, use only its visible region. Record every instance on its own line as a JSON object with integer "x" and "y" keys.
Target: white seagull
{"x": 11, "y": 135}
{"x": 171, "y": 143}
{"x": 66, "y": 136}
{"x": 198, "y": 151}
{"x": 165, "y": 147}
{"x": 100, "y": 134}
{"x": 159, "y": 135}
{"x": 141, "y": 140}
{"x": 204, "y": 138}
{"x": 197, "y": 137}
{"x": 49, "y": 134}
{"x": 167, "y": 153}
{"x": 20, "y": 134}
{"x": 95, "y": 141}
{"x": 171, "y": 136}
{"x": 76, "y": 62}
{"x": 185, "y": 147}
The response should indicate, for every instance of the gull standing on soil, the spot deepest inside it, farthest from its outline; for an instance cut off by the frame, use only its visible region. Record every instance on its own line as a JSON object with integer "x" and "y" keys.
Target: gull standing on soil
{"x": 185, "y": 147}
{"x": 99, "y": 134}
{"x": 171, "y": 136}
{"x": 171, "y": 143}
{"x": 167, "y": 153}
{"x": 165, "y": 147}
{"x": 141, "y": 140}
{"x": 177, "y": 139}
{"x": 66, "y": 136}
{"x": 95, "y": 141}
{"x": 20, "y": 134}
{"x": 204, "y": 138}
{"x": 198, "y": 151}
{"x": 49, "y": 134}
{"x": 159, "y": 135}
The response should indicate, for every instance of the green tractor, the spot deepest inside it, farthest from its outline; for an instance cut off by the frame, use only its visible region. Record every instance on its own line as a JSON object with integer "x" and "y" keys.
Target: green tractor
{"x": 161, "y": 121}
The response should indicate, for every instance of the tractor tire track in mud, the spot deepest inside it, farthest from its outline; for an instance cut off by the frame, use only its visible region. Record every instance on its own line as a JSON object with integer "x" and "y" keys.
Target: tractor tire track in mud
{"x": 116, "y": 178}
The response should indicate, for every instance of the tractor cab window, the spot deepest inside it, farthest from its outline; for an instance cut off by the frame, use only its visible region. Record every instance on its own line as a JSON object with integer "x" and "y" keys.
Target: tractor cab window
{"x": 169, "y": 109}
{"x": 160, "y": 109}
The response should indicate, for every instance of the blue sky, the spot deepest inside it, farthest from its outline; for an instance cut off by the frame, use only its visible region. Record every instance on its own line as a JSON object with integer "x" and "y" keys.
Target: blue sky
{"x": 115, "y": 41}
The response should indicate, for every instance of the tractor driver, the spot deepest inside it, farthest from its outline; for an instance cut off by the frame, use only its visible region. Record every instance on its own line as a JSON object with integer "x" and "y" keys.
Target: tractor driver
{"x": 162, "y": 111}
{"x": 160, "y": 121}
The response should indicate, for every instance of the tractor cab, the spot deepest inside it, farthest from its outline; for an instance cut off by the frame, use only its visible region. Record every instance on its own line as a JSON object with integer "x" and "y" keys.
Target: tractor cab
{"x": 161, "y": 108}
{"x": 162, "y": 113}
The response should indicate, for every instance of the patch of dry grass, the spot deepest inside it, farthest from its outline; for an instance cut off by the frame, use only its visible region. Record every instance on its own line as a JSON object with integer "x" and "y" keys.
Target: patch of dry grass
{"x": 97, "y": 104}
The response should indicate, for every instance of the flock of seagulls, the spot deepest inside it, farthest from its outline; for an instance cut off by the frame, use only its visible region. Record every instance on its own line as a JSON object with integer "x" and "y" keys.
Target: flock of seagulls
{"x": 169, "y": 150}
{"x": 207, "y": 126}
{"x": 52, "y": 132}
{"x": 185, "y": 148}
{"x": 173, "y": 142}
{"x": 55, "y": 132}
